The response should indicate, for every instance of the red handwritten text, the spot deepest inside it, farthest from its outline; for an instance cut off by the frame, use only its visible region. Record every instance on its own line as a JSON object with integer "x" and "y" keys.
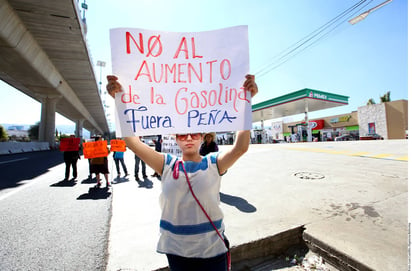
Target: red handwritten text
{"x": 185, "y": 100}
{"x": 184, "y": 72}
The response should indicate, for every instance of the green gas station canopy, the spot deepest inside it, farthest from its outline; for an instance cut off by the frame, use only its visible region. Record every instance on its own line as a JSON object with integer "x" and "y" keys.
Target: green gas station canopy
{"x": 296, "y": 103}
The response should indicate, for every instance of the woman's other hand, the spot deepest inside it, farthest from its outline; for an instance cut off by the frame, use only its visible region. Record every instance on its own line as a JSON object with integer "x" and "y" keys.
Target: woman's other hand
{"x": 250, "y": 84}
{"x": 113, "y": 86}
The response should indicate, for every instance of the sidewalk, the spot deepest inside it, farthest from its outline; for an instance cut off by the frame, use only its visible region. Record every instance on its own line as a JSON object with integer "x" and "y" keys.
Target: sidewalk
{"x": 355, "y": 204}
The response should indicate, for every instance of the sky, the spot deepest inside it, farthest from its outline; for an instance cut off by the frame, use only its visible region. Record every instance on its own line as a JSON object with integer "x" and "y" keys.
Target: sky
{"x": 361, "y": 61}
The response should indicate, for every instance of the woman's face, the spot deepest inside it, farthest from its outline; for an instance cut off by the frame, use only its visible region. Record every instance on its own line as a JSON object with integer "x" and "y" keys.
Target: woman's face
{"x": 189, "y": 143}
{"x": 208, "y": 138}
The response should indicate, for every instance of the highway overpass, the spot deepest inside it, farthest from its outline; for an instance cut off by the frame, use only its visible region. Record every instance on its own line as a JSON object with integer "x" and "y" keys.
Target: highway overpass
{"x": 44, "y": 54}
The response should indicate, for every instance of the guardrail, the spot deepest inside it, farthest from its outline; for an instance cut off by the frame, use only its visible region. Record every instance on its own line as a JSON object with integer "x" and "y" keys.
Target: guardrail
{"x": 19, "y": 147}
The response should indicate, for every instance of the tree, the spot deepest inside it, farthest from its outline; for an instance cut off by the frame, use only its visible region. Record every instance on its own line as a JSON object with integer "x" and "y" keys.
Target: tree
{"x": 386, "y": 97}
{"x": 370, "y": 101}
{"x": 3, "y": 134}
{"x": 34, "y": 131}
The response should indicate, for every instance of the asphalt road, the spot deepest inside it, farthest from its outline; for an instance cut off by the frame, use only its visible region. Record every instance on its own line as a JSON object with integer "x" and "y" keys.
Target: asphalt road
{"x": 49, "y": 224}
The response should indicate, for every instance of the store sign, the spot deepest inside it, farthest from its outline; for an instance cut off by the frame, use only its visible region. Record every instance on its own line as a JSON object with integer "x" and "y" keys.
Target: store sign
{"x": 277, "y": 127}
{"x": 341, "y": 119}
{"x": 316, "y": 124}
{"x": 317, "y": 95}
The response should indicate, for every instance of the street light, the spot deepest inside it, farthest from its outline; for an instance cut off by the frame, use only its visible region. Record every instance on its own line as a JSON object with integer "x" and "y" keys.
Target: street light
{"x": 366, "y": 13}
{"x": 100, "y": 64}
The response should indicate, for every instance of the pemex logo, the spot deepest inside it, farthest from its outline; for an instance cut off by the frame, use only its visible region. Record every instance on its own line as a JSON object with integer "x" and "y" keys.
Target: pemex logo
{"x": 311, "y": 94}
{"x": 313, "y": 124}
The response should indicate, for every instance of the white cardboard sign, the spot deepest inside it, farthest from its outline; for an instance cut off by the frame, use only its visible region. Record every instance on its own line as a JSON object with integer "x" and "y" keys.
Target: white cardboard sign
{"x": 181, "y": 82}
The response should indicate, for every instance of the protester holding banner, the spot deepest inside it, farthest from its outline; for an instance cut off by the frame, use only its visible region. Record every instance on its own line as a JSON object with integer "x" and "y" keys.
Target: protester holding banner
{"x": 70, "y": 148}
{"x": 189, "y": 242}
{"x": 100, "y": 165}
{"x": 209, "y": 145}
{"x": 118, "y": 147}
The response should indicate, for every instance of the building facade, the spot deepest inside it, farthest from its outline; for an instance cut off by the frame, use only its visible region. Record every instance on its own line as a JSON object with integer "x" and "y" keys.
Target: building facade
{"x": 389, "y": 120}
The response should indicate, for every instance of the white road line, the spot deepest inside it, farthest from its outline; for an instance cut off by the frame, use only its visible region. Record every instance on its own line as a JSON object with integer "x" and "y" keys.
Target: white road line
{"x": 11, "y": 161}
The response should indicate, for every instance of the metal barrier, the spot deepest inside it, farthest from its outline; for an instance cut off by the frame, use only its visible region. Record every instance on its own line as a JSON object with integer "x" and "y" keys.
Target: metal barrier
{"x": 19, "y": 147}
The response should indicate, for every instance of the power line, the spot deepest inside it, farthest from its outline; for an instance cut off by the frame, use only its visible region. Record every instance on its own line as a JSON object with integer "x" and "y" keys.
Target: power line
{"x": 303, "y": 43}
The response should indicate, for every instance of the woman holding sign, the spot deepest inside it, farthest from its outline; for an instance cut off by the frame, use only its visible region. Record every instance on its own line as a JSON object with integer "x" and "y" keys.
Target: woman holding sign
{"x": 191, "y": 224}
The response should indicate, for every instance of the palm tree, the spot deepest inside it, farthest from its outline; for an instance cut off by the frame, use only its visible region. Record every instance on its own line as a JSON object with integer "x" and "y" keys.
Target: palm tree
{"x": 386, "y": 97}
{"x": 370, "y": 101}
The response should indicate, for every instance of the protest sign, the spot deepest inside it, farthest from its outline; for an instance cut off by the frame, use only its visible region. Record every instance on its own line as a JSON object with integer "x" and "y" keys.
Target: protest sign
{"x": 117, "y": 145}
{"x": 178, "y": 82}
{"x": 169, "y": 145}
{"x": 69, "y": 144}
{"x": 95, "y": 149}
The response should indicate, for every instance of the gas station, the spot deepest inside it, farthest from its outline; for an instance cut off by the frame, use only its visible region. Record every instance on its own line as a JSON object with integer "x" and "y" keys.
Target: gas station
{"x": 302, "y": 101}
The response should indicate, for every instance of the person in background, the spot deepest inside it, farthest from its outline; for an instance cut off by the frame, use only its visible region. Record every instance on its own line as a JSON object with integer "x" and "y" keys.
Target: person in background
{"x": 70, "y": 159}
{"x": 209, "y": 145}
{"x": 137, "y": 161}
{"x": 100, "y": 165}
{"x": 186, "y": 234}
{"x": 158, "y": 148}
{"x": 119, "y": 158}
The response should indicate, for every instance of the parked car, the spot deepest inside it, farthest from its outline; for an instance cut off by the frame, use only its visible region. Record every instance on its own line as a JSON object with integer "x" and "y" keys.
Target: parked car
{"x": 149, "y": 142}
{"x": 371, "y": 137}
{"x": 344, "y": 138}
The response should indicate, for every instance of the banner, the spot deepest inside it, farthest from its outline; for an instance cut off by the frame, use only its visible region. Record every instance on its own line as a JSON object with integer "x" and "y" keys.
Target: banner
{"x": 69, "y": 144}
{"x": 117, "y": 145}
{"x": 180, "y": 82}
{"x": 169, "y": 145}
{"x": 95, "y": 149}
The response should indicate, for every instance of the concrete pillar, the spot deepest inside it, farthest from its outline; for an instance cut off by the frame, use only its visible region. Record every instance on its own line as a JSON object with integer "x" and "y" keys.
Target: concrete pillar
{"x": 47, "y": 125}
{"x": 79, "y": 128}
{"x": 262, "y": 126}
{"x": 308, "y": 127}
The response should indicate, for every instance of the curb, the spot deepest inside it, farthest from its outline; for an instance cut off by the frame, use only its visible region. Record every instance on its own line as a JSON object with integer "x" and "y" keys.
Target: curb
{"x": 249, "y": 255}
{"x": 333, "y": 256}
{"x": 243, "y": 256}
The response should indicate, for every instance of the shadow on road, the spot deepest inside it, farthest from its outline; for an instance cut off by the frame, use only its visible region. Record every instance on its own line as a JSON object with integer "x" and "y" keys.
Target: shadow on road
{"x": 16, "y": 168}
{"x": 96, "y": 194}
{"x": 64, "y": 183}
{"x": 89, "y": 181}
{"x": 238, "y": 202}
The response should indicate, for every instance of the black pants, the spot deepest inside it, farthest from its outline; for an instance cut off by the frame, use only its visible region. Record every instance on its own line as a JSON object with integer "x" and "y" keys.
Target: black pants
{"x": 121, "y": 161}
{"x": 177, "y": 263}
{"x": 73, "y": 164}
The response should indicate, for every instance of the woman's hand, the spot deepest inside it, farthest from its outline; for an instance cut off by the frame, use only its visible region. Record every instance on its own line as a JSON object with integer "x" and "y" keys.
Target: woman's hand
{"x": 250, "y": 84}
{"x": 113, "y": 86}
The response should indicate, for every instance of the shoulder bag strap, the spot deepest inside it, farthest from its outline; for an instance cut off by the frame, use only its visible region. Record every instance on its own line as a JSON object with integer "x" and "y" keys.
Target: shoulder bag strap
{"x": 176, "y": 175}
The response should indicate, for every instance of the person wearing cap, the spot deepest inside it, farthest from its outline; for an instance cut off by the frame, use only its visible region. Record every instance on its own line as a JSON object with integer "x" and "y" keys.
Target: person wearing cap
{"x": 209, "y": 145}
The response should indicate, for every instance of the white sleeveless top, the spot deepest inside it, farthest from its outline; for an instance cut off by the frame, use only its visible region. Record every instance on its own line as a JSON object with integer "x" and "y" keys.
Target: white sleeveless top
{"x": 184, "y": 229}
